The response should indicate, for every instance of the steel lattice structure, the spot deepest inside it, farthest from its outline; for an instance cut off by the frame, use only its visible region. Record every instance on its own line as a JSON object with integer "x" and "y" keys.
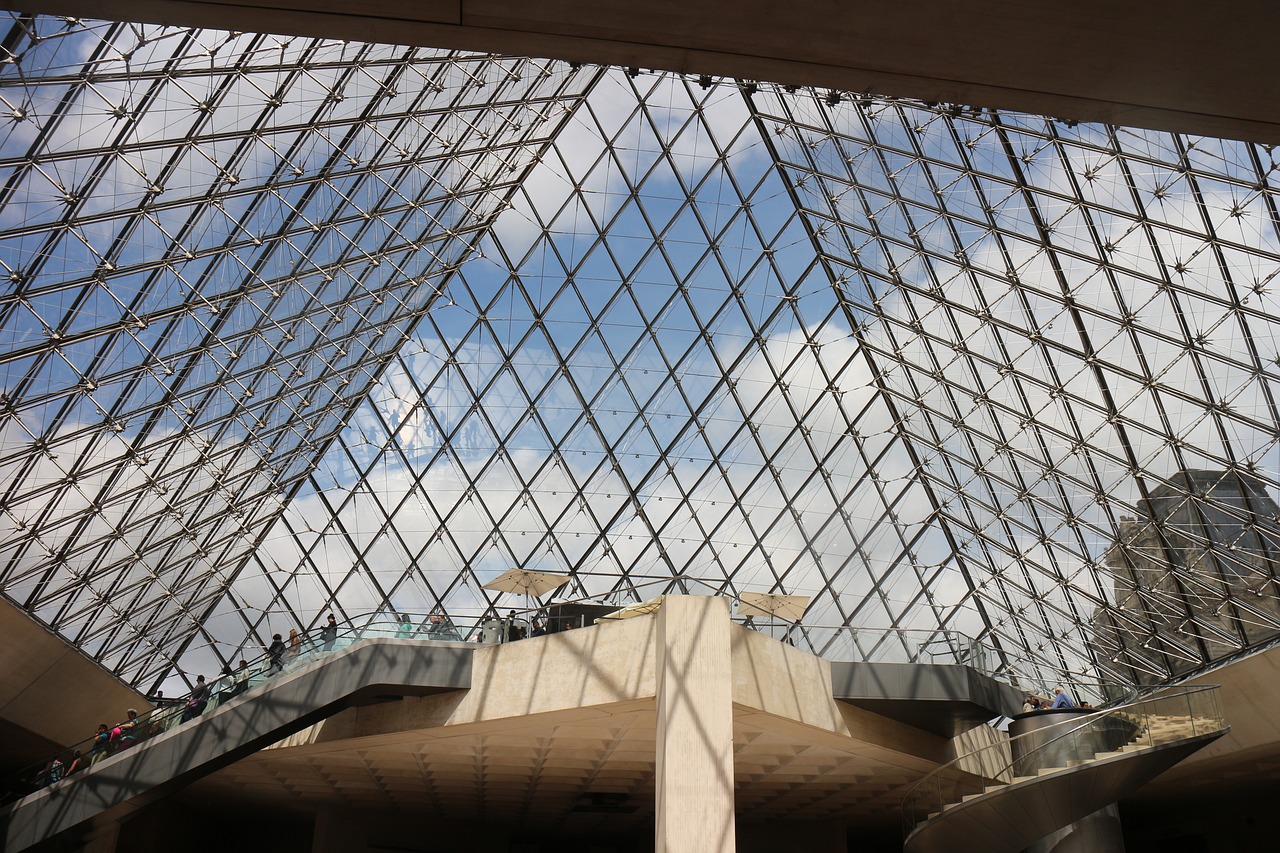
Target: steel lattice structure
{"x": 291, "y": 325}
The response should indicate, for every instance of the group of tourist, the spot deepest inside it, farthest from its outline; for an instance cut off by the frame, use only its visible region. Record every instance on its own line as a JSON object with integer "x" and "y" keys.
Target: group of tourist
{"x": 497, "y": 630}
{"x": 110, "y": 740}
{"x": 106, "y": 741}
{"x": 281, "y": 653}
{"x": 1061, "y": 699}
{"x": 437, "y": 627}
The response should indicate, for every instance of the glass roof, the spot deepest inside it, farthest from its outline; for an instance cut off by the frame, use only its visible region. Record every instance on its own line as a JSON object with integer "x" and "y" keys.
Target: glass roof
{"x": 291, "y": 326}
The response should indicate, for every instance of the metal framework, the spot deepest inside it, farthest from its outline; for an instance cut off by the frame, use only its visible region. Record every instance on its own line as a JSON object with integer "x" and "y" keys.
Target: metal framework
{"x": 290, "y": 326}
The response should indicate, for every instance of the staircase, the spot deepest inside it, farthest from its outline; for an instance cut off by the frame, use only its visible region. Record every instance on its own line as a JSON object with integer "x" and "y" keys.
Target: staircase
{"x": 990, "y": 801}
{"x": 367, "y": 671}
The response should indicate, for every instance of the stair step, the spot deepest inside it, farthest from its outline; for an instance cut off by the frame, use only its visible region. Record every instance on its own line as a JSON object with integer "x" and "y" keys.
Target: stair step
{"x": 1153, "y": 731}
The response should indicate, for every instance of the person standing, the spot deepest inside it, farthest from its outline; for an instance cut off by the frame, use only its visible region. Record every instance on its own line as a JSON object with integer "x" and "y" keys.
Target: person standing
{"x": 275, "y": 652}
{"x": 101, "y": 741}
{"x": 239, "y": 681}
{"x": 295, "y": 646}
{"x": 126, "y": 734}
{"x": 329, "y": 634}
{"x": 198, "y": 700}
{"x": 515, "y": 631}
{"x": 1062, "y": 699}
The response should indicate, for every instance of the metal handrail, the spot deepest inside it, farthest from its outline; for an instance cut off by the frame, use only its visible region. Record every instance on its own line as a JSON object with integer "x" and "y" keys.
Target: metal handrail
{"x": 1070, "y": 727}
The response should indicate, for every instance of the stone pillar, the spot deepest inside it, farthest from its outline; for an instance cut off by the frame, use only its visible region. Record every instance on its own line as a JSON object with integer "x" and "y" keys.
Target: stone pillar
{"x": 694, "y": 781}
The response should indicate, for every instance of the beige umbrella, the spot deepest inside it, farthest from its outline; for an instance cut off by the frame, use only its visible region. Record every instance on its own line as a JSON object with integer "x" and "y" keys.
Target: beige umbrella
{"x": 527, "y": 582}
{"x": 789, "y": 608}
{"x": 638, "y": 609}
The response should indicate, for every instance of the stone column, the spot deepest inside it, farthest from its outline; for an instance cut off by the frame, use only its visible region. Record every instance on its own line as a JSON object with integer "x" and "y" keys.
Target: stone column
{"x": 694, "y": 727}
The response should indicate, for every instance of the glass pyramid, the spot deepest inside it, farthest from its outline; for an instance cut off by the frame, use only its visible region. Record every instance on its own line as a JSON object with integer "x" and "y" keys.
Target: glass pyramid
{"x": 291, "y": 326}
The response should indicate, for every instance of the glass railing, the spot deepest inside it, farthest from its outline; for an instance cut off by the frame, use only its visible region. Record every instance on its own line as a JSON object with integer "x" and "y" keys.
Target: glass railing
{"x": 872, "y": 644}
{"x": 1159, "y": 720}
{"x": 933, "y": 646}
{"x": 246, "y": 678}
{"x": 834, "y": 643}
{"x": 830, "y": 642}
